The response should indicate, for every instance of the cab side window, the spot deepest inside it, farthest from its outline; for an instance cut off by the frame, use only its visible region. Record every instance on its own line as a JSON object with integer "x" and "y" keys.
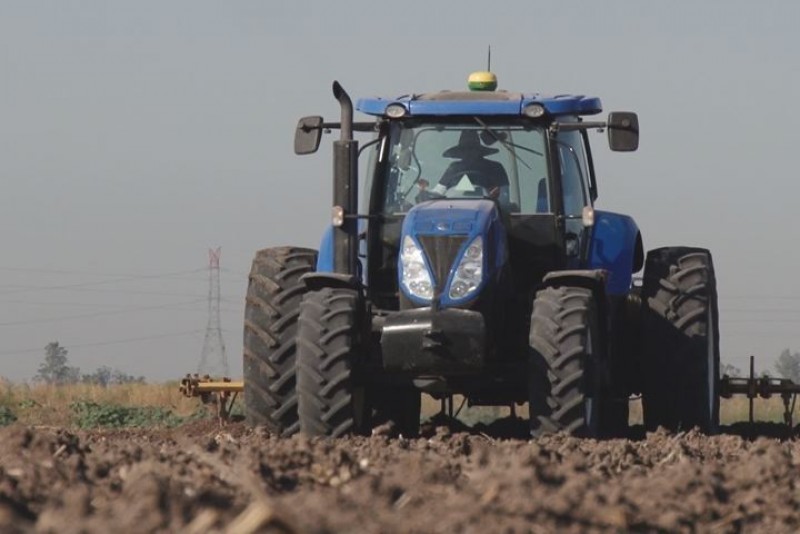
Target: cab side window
{"x": 574, "y": 172}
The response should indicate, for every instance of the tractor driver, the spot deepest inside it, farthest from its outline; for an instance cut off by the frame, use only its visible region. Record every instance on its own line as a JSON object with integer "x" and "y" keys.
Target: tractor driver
{"x": 482, "y": 172}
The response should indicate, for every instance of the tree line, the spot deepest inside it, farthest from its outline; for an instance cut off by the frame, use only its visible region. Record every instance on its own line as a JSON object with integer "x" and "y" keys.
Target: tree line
{"x": 55, "y": 370}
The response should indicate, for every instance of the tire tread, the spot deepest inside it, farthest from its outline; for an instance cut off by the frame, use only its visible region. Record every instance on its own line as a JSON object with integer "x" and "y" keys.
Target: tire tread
{"x": 272, "y": 306}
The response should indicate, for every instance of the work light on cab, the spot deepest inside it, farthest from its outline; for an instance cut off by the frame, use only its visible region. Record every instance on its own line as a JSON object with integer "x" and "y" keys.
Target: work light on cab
{"x": 533, "y": 111}
{"x": 395, "y": 111}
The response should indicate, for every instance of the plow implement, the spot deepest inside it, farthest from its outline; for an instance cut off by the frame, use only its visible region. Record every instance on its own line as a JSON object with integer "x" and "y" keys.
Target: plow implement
{"x": 764, "y": 387}
{"x": 221, "y": 392}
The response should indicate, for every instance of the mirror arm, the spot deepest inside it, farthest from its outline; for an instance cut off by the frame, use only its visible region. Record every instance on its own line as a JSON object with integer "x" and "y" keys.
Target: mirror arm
{"x": 575, "y": 126}
{"x": 357, "y": 126}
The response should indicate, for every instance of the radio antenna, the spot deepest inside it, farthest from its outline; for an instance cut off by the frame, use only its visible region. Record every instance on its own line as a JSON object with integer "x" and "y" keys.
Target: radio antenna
{"x": 489, "y": 60}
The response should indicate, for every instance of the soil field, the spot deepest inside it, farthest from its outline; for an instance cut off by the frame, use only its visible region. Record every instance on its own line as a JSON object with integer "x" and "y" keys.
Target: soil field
{"x": 200, "y": 478}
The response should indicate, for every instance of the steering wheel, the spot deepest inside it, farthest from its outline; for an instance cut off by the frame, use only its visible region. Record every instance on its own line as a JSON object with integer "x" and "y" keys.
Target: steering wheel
{"x": 477, "y": 177}
{"x": 474, "y": 175}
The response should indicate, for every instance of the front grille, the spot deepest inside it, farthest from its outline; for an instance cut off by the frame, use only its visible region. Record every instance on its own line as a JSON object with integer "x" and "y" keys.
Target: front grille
{"x": 441, "y": 251}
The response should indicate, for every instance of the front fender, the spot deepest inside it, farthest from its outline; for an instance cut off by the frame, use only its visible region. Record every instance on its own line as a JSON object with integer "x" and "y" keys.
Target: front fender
{"x": 616, "y": 247}
{"x": 326, "y": 248}
{"x": 325, "y": 257}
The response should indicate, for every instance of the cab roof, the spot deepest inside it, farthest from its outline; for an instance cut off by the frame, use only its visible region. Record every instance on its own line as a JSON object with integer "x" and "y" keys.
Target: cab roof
{"x": 446, "y": 103}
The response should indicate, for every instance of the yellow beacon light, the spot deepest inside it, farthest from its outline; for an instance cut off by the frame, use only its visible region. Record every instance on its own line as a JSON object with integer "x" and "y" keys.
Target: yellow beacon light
{"x": 482, "y": 81}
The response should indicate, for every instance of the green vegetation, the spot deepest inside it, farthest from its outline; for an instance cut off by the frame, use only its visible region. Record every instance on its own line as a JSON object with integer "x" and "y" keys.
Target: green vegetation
{"x": 90, "y": 405}
{"x": 88, "y": 414}
{"x": 7, "y": 416}
{"x": 143, "y": 405}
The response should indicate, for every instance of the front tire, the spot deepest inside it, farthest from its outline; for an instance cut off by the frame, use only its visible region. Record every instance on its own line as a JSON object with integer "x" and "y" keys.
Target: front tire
{"x": 564, "y": 339}
{"x": 329, "y": 346}
{"x": 272, "y": 307}
{"x": 681, "y": 340}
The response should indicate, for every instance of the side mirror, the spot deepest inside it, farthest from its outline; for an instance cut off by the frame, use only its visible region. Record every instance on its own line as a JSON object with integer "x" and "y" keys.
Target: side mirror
{"x": 623, "y": 131}
{"x": 307, "y": 135}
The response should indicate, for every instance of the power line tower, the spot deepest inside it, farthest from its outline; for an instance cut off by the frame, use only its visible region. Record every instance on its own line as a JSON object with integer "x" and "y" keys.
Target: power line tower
{"x": 213, "y": 360}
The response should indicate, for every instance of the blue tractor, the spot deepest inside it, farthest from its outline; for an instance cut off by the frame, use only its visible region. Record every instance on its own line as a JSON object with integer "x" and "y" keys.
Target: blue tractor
{"x": 477, "y": 266}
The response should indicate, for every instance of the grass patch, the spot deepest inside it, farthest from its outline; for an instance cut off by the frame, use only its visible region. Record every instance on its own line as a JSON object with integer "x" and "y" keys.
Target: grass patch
{"x": 89, "y": 406}
{"x": 88, "y": 414}
{"x": 142, "y": 405}
{"x": 7, "y": 416}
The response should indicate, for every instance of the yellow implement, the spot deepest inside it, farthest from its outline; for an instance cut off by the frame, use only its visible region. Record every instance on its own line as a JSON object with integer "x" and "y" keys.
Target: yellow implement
{"x": 210, "y": 390}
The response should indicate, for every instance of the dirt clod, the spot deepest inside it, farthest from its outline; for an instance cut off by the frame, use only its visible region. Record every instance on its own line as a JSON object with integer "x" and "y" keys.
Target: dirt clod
{"x": 203, "y": 479}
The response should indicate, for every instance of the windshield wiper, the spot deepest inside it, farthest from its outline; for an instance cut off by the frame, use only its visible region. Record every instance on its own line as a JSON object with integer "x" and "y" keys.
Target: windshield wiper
{"x": 507, "y": 145}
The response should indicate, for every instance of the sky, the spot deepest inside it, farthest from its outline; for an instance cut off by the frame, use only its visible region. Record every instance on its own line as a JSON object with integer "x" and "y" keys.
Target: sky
{"x": 134, "y": 136}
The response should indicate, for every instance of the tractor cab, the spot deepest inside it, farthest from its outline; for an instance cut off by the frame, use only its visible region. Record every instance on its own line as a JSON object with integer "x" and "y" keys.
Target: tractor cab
{"x": 528, "y": 154}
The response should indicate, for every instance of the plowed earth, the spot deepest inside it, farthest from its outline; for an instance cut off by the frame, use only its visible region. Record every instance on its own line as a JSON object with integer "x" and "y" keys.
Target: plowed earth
{"x": 201, "y": 478}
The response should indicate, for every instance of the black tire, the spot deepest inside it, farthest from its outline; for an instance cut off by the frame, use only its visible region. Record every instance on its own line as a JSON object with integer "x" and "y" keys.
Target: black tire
{"x": 680, "y": 340}
{"x": 272, "y": 307}
{"x": 564, "y": 337}
{"x": 329, "y": 335}
{"x": 401, "y": 406}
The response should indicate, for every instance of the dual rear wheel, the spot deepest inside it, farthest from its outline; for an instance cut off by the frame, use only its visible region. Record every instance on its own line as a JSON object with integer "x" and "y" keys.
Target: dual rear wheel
{"x": 679, "y": 352}
{"x": 680, "y": 340}
{"x": 272, "y": 310}
{"x": 302, "y": 350}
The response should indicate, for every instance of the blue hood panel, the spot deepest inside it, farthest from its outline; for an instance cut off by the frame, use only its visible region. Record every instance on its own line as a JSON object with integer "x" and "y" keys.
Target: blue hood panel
{"x": 465, "y": 218}
{"x": 447, "y": 217}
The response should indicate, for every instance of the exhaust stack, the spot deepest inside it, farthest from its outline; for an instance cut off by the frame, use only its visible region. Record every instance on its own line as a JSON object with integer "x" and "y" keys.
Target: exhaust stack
{"x": 345, "y": 189}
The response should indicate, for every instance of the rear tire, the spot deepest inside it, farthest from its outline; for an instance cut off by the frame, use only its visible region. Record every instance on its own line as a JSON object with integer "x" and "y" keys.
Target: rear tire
{"x": 328, "y": 349}
{"x": 681, "y": 340}
{"x": 272, "y": 307}
{"x": 564, "y": 338}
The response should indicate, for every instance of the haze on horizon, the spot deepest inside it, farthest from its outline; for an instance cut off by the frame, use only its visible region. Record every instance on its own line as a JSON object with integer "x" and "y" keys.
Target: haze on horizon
{"x": 136, "y": 135}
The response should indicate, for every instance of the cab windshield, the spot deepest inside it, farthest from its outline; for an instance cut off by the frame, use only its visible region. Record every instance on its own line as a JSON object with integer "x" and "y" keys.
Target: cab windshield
{"x": 428, "y": 161}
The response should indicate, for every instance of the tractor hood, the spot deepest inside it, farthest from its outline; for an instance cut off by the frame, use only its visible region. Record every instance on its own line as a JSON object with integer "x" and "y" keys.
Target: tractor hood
{"x": 450, "y": 250}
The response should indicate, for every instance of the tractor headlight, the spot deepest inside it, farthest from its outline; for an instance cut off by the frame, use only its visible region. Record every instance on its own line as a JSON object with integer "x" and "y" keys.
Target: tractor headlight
{"x": 469, "y": 272}
{"x": 415, "y": 275}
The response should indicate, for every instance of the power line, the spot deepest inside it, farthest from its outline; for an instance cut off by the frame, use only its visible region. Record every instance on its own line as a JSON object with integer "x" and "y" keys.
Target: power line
{"x": 97, "y": 314}
{"x": 759, "y": 297}
{"x": 101, "y": 290}
{"x": 21, "y": 289}
{"x": 62, "y": 303}
{"x": 237, "y": 273}
{"x": 759, "y": 321}
{"x": 103, "y": 343}
{"x": 759, "y": 310}
{"x": 167, "y": 276}
{"x": 103, "y": 306}
{"x": 72, "y": 272}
